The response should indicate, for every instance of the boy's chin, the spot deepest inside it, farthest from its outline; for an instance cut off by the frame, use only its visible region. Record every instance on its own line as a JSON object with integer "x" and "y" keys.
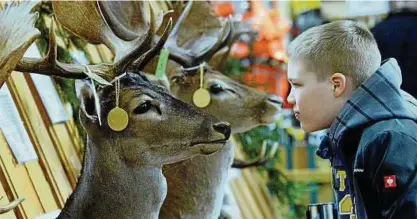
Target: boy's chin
{"x": 310, "y": 128}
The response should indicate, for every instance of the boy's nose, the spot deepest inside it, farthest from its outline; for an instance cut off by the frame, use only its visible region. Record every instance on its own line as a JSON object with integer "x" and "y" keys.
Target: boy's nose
{"x": 290, "y": 99}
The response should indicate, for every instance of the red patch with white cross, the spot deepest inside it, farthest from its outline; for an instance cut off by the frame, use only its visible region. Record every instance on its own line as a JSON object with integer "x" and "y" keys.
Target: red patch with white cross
{"x": 390, "y": 181}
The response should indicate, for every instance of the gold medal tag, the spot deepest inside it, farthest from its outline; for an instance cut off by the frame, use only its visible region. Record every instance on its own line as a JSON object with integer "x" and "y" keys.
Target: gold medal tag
{"x": 117, "y": 119}
{"x": 201, "y": 97}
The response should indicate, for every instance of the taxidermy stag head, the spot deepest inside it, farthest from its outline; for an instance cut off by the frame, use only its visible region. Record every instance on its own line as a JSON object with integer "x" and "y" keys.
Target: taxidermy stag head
{"x": 196, "y": 37}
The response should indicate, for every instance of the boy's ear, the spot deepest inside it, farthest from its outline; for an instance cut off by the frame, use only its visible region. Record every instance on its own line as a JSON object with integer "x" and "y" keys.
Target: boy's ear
{"x": 339, "y": 84}
{"x": 87, "y": 104}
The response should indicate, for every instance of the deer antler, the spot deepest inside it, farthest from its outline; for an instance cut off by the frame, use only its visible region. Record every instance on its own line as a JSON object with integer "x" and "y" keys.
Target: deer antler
{"x": 10, "y": 206}
{"x": 125, "y": 55}
{"x": 50, "y": 66}
{"x": 261, "y": 160}
{"x": 87, "y": 19}
{"x": 17, "y": 34}
{"x": 125, "y": 18}
{"x": 143, "y": 60}
{"x": 192, "y": 41}
{"x": 238, "y": 28}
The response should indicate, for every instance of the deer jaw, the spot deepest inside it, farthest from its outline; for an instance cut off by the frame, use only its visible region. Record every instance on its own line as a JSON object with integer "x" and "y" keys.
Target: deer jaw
{"x": 241, "y": 106}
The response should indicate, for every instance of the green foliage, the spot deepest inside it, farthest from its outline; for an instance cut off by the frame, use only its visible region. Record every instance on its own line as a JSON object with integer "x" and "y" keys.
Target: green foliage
{"x": 288, "y": 192}
{"x": 233, "y": 68}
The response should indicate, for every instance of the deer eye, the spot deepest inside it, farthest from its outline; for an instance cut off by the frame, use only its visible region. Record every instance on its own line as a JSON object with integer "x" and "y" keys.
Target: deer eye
{"x": 215, "y": 89}
{"x": 143, "y": 108}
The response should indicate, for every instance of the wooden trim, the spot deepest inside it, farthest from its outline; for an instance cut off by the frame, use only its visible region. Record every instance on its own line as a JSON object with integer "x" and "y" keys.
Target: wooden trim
{"x": 48, "y": 156}
{"x": 60, "y": 138}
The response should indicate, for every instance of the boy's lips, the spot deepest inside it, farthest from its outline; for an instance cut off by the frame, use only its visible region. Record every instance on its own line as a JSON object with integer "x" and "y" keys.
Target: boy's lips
{"x": 297, "y": 115}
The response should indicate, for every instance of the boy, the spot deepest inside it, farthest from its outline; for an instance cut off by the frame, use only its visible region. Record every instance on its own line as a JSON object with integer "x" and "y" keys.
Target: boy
{"x": 337, "y": 83}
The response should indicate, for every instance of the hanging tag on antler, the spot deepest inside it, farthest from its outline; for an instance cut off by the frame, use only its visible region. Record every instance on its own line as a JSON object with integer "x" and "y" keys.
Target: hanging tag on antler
{"x": 162, "y": 63}
{"x": 96, "y": 98}
{"x": 201, "y": 97}
{"x": 96, "y": 101}
{"x": 117, "y": 118}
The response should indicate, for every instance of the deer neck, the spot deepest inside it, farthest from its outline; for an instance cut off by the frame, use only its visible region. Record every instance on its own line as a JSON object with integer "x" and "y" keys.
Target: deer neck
{"x": 207, "y": 176}
{"x": 108, "y": 188}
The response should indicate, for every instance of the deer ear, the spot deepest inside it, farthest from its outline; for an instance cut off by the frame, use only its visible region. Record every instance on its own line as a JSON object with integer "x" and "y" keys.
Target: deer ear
{"x": 87, "y": 101}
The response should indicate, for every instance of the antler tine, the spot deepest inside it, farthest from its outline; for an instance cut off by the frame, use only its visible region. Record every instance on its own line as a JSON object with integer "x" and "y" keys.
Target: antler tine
{"x": 178, "y": 54}
{"x": 261, "y": 160}
{"x": 50, "y": 66}
{"x": 225, "y": 31}
{"x": 167, "y": 17}
{"x": 17, "y": 20}
{"x": 140, "y": 63}
{"x": 236, "y": 32}
{"x": 190, "y": 57}
{"x": 141, "y": 45}
{"x": 11, "y": 205}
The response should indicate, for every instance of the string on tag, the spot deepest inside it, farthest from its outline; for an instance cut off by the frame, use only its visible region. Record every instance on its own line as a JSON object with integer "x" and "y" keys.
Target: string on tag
{"x": 117, "y": 85}
{"x": 201, "y": 97}
{"x": 201, "y": 75}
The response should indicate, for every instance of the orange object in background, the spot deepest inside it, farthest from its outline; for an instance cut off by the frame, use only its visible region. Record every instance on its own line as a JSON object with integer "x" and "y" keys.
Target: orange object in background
{"x": 239, "y": 50}
{"x": 267, "y": 78}
{"x": 277, "y": 51}
{"x": 261, "y": 48}
{"x": 224, "y": 9}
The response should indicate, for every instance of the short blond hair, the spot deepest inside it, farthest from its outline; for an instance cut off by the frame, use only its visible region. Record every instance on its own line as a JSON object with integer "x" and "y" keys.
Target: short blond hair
{"x": 341, "y": 46}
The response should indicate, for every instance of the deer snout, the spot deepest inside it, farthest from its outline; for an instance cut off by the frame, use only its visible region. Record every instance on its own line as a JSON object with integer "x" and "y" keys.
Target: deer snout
{"x": 276, "y": 100}
{"x": 224, "y": 128}
{"x": 270, "y": 109}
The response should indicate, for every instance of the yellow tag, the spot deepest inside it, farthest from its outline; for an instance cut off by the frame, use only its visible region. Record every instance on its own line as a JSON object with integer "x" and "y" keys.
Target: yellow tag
{"x": 201, "y": 98}
{"x": 117, "y": 119}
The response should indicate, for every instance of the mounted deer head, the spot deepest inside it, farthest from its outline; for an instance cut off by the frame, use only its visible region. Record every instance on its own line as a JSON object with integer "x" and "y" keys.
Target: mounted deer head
{"x": 125, "y": 167}
{"x": 121, "y": 175}
{"x": 241, "y": 106}
{"x": 186, "y": 131}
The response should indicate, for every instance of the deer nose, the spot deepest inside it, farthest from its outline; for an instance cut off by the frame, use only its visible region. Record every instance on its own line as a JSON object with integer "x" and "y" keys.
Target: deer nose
{"x": 276, "y": 100}
{"x": 224, "y": 128}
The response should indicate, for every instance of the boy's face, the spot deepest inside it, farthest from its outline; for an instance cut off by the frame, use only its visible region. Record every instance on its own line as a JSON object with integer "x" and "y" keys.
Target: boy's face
{"x": 315, "y": 104}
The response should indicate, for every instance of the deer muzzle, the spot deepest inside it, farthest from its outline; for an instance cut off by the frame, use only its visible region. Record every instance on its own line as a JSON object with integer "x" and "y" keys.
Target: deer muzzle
{"x": 222, "y": 133}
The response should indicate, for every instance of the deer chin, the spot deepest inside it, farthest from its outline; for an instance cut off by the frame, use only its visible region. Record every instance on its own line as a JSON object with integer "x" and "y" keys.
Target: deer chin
{"x": 208, "y": 148}
{"x": 265, "y": 120}
{"x": 269, "y": 117}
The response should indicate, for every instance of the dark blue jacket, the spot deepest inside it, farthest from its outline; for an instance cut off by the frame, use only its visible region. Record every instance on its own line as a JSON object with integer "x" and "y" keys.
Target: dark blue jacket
{"x": 372, "y": 146}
